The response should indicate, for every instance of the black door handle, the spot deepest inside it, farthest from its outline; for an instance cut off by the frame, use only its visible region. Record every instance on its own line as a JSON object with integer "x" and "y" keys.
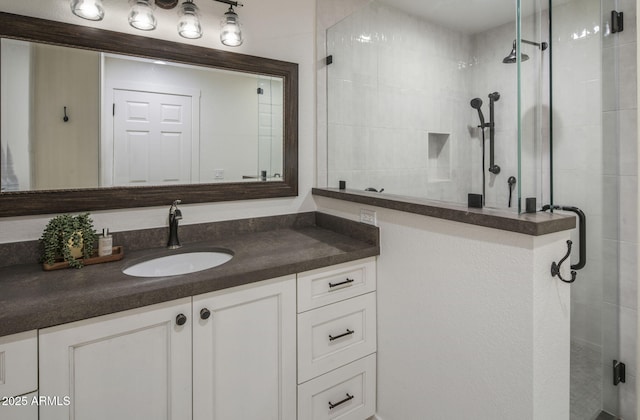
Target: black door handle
{"x": 582, "y": 233}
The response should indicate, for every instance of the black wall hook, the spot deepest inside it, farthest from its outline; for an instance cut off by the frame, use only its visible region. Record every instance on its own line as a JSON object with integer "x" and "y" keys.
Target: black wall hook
{"x": 66, "y": 118}
{"x": 555, "y": 268}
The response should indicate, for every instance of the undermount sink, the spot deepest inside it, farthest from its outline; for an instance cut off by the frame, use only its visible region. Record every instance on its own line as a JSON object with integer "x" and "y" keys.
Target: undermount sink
{"x": 174, "y": 265}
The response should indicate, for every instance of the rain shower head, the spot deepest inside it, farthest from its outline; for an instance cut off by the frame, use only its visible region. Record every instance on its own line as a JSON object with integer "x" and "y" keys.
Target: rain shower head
{"x": 513, "y": 55}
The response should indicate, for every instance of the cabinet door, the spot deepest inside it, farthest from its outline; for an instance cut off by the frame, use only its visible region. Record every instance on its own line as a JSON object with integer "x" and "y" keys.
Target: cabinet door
{"x": 129, "y": 365}
{"x": 24, "y": 407}
{"x": 18, "y": 364}
{"x": 244, "y": 353}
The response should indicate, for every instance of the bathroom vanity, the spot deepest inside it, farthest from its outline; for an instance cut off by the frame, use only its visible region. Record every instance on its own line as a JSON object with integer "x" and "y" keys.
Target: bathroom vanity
{"x": 284, "y": 329}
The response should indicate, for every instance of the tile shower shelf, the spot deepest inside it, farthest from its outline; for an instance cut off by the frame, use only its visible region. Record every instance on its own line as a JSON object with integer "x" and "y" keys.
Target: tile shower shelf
{"x": 534, "y": 224}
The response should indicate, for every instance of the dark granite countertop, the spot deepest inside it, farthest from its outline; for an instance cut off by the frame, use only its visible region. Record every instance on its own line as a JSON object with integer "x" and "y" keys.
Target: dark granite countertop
{"x": 31, "y": 298}
{"x": 535, "y": 224}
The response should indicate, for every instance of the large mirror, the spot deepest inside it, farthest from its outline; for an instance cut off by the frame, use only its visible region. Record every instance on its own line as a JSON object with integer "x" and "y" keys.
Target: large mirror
{"x": 93, "y": 119}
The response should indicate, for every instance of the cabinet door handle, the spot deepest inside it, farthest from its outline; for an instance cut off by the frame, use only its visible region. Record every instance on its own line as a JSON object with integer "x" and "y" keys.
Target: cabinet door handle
{"x": 205, "y": 313}
{"x": 347, "y": 281}
{"x": 349, "y": 332}
{"x": 332, "y": 406}
{"x": 181, "y": 319}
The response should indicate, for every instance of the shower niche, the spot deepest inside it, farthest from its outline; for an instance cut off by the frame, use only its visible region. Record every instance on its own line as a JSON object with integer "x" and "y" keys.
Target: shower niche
{"x": 439, "y": 164}
{"x": 402, "y": 83}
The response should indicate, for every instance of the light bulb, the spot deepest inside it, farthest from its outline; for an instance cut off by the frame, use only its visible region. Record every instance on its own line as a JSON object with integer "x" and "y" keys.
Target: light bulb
{"x": 141, "y": 15}
{"x": 189, "y": 23}
{"x": 231, "y": 34}
{"x": 88, "y": 9}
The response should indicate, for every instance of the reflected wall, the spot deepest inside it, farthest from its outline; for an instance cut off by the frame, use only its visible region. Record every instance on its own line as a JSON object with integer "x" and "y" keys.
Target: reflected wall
{"x": 64, "y": 122}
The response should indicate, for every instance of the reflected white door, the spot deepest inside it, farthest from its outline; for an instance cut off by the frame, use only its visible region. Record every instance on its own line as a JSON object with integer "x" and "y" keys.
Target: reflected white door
{"x": 152, "y": 135}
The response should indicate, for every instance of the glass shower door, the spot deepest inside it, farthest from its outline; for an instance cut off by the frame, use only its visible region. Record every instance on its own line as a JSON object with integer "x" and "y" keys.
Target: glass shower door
{"x": 586, "y": 116}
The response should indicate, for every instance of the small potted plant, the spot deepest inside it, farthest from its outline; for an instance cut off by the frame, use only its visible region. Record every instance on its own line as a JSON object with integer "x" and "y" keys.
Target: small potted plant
{"x": 68, "y": 238}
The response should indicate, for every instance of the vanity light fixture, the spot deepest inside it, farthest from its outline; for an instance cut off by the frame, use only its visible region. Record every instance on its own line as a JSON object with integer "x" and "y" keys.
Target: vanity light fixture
{"x": 141, "y": 17}
{"x": 230, "y": 32}
{"x": 189, "y": 23}
{"x": 88, "y": 9}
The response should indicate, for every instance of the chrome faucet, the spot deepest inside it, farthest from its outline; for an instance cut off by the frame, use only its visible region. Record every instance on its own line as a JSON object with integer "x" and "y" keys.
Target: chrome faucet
{"x": 174, "y": 215}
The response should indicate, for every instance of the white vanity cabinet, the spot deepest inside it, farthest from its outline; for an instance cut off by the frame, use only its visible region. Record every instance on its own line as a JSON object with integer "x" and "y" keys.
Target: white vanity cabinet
{"x": 337, "y": 342}
{"x": 129, "y": 365}
{"x": 236, "y": 346}
{"x": 234, "y": 354}
{"x": 244, "y": 350}
{"x": 19, "y": 376}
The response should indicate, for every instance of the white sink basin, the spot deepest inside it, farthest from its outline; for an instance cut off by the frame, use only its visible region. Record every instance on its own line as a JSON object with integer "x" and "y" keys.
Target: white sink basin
{"x": 173, "y": 265}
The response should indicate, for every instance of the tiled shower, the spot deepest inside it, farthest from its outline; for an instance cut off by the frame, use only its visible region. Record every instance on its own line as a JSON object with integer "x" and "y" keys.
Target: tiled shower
{"x": 387, "y": 127}
{"x": 399, "y": 114}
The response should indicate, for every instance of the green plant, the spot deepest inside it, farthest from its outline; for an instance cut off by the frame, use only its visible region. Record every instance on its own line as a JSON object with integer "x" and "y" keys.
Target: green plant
{"x": 64, "y": 232}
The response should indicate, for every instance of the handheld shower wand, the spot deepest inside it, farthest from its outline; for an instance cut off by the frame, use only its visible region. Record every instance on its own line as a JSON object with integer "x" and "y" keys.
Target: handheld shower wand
{"x": 476, "y": 103}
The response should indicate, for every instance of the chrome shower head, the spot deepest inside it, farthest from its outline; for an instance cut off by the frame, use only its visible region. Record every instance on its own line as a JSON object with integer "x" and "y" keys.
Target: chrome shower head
{"x": 513, "y": 56}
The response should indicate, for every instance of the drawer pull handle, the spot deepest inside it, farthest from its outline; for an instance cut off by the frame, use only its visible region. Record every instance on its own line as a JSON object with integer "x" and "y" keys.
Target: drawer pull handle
{"x": 332, "y": 406}
{"x": 347, "y": 281}
{"x": 349, "y": 332}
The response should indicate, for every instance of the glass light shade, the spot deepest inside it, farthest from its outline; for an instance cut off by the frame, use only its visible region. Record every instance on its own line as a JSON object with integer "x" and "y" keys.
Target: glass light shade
{"x": 230, "y": 34}
{"x": 88, "y": 9}
{"x": 189, "y": 23}
{"x": 141, "y": 15}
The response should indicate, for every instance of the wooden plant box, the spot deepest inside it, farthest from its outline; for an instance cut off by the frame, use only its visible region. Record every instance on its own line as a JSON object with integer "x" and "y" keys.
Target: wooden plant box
{"x": 117, "y": 254}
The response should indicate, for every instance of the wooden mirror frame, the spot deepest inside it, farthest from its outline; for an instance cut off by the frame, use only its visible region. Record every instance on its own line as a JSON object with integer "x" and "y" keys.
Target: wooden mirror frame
{"x": 20, "y": 203}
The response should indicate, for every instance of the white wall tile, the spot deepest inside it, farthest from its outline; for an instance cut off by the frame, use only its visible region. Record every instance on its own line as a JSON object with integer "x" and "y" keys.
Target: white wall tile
{"x": 628, "y": 208}
{"x": 628, "y": 278}
{"x": 628, "y": 327}
{"x": 628, "y": 399}
{"x": 628, "y": 141}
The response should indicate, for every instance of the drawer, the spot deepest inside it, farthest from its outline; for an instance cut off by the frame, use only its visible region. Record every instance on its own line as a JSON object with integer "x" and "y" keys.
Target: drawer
{"x": 332, "y": 284}
{"x": 334, "y": 335}
{"x": 18, "y": 364}
{"x": 348, "y": 393}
